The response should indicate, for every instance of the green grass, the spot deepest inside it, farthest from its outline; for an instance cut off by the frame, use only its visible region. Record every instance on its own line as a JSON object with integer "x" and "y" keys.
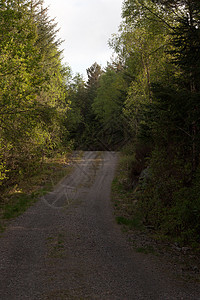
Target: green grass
{"x": 15, "y": 200}
{"x": 124, "y": 200}
{"x": 146, "y": 250}
{"x": 133, "y": 223}
{"x": 17, "y": 206}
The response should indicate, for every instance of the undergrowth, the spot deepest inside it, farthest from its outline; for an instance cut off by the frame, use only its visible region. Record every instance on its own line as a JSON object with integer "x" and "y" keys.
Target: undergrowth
{"x": 166, "y": 203}
{"x": 17, "y": 198}
{"x": 125, "y": 201}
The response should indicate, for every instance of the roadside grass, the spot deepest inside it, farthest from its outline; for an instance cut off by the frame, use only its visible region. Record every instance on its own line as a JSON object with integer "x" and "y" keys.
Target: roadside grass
{"x": 124, "y": 200}
{"x": 143, "y": 238}
{"x": 126, "y": 211}
{"x": 15, "y": 200}
{"x": 132, "y": 206}
{"x": 134, "y": 222}
{"x": 146, "y": 250}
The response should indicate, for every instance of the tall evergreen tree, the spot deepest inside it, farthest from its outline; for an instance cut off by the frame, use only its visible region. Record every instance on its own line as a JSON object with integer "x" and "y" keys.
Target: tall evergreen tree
{"x": 32, "y": 100}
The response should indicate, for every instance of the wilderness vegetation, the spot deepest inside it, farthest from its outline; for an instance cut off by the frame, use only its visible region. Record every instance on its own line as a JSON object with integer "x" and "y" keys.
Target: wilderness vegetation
{"x": 146, "y": 100}
{"x": 33, "y": 97}
{"x": 32, "y": 88}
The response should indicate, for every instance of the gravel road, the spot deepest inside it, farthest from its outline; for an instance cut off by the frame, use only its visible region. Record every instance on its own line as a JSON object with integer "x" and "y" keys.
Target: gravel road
{"x": 68, "y": 246}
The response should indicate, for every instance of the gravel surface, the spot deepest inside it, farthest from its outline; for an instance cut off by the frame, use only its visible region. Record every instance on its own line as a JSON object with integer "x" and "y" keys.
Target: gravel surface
{"x": 68, "y": 246}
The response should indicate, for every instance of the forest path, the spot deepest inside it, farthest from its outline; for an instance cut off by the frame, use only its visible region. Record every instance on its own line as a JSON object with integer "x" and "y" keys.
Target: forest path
{"x": 68, "y": 246}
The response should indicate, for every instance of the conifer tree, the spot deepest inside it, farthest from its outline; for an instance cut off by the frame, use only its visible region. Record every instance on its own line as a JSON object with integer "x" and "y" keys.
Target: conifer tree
{"x": 32, "y": 85}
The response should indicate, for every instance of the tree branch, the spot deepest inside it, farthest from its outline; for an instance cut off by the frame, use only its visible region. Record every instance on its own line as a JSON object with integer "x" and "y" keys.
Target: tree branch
{"x": 156, "y": 15}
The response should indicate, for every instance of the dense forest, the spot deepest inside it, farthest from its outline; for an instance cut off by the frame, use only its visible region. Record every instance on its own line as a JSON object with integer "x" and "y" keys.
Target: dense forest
{"x": 146, "y": 100}
{"x": 32, "y": 88}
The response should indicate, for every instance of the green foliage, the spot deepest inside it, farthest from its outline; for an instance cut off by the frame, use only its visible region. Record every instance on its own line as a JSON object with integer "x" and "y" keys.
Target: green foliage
{"x": 107, "y": 107}
{"x": 146, "y": 250}
{"x": 130, "y": 223}
{"x": 95, "y": 119}
{"x": 32, "y": 88}
{"x": 142, "y": 39}
{"x": 76, "y": 114}
{"x": 108, "y": 103}
{"x": 94, "y": 74}
{"x": 158, "y": 46}
{"x": 16, "y": 199}
{"x": 171, "y": 207}
{"x": 17, "y": 206}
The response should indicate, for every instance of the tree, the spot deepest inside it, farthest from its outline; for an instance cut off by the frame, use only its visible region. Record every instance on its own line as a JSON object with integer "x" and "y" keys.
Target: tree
{"x": 185, "y": 55}
{"x": 18, "y": 61}
{"x": 143, "y": 38}
{"x": 32, "y": 89}
{"x": 93, "y": 73}
{"x": 108, "y": 105}
{"x": 109, "y": 100}
{"x": 76, "y": 114}
{"x": 172, "y": 119}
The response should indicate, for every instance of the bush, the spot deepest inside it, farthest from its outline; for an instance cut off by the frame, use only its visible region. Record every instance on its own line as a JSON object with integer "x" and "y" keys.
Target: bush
{"x": 167, "y": 202}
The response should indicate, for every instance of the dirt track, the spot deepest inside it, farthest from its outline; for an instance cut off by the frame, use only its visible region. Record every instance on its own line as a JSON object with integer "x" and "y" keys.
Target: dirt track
{"x": 68, "y": 246}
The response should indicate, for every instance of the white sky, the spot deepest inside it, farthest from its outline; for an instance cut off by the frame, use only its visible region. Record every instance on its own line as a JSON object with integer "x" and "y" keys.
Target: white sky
{"x": 86, "y": 26}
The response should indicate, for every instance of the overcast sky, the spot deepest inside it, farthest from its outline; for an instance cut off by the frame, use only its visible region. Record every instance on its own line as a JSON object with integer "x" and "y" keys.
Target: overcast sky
{"x": 86, "y": 26}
